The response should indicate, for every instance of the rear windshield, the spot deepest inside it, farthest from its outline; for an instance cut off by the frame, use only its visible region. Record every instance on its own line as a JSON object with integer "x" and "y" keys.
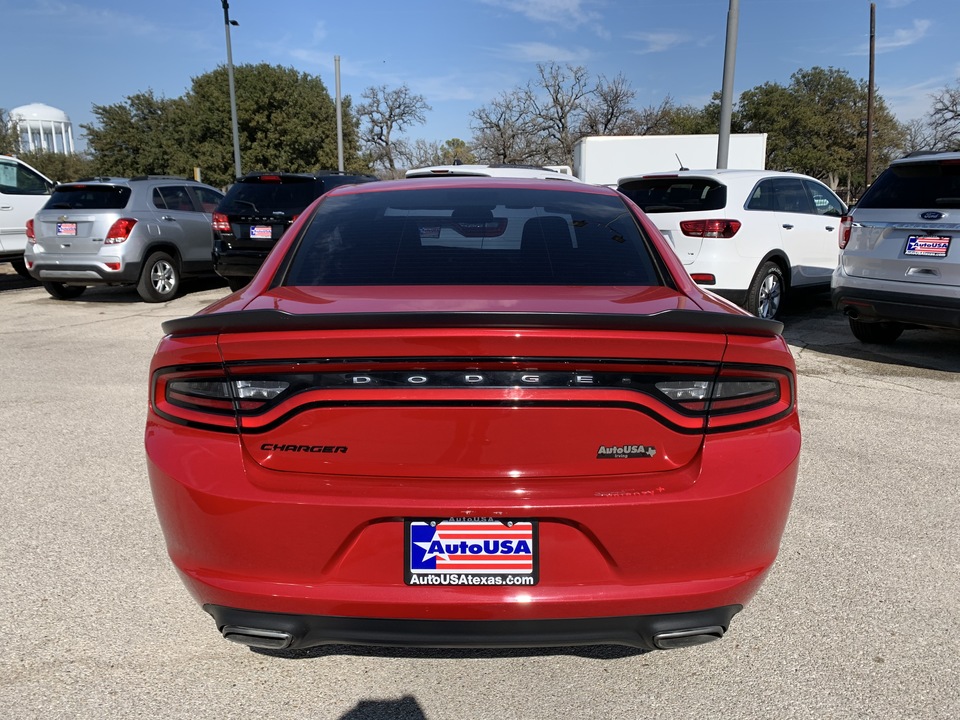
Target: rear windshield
{"x": 660, "y": 195}
{"x": 289, "y": 196}
{"x": 89, "y": 197}
{"x": 915, "y": 185}
{"x": 472, "y": 236}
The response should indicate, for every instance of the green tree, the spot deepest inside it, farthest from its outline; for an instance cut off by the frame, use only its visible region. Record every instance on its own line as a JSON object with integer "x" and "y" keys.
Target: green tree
{"x": 60, "y": 167}
{"x": 817, "y": 125}
{"x": 286, "y": 121}
{"x": 9, "y": 134}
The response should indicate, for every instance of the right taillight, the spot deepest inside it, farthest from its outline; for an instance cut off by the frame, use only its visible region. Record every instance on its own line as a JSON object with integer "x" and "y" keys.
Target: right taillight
{"x": 119, "y": 231}
{"x": 31, "y": 235}
{"x": 846, "y": 224}
{"x": 714, "y": 228}
{"x": 221, "y": 223}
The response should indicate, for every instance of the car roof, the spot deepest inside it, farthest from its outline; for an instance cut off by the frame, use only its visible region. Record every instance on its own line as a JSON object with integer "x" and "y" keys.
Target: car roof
{"x": 927, "y": 156}
{"x": 521, "y": 171}
{"x": 471, "y": 181}
{"x": 724, "y": 174}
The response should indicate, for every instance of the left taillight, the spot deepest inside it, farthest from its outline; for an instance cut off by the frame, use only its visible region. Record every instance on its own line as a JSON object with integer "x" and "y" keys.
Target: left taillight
{"x": 846, "y": 225}
{"x": 221, "y": 223}
{"x": 31, "y": 235}
{"x": 208, "y": 398}
{"x": 713, "y": 228}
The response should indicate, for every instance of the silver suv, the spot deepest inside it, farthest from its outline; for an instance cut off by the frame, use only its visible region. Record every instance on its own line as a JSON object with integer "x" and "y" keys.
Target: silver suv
{"x": 143, "y": 231}
{"x": 900, "y": 250}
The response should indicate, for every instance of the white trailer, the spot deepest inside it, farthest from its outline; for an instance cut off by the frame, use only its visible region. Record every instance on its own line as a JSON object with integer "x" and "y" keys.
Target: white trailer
{"x": 603, "y": 160}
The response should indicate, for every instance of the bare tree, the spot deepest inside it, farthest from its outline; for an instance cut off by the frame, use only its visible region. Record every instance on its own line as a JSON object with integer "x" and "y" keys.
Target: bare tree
{"x": 557, "y": 100}
{"x": 385, "y": 113}
{"x": 944, "y": 119}
{"x": 609, "y": 109}
{"x": 506, "y": 130}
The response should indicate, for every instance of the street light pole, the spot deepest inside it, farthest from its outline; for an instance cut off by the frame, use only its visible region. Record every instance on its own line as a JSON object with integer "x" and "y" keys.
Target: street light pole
{"x": 227, "y": 22}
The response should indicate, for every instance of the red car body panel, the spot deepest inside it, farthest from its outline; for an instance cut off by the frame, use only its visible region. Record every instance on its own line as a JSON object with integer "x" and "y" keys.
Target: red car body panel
{"x": 300, "y": 508}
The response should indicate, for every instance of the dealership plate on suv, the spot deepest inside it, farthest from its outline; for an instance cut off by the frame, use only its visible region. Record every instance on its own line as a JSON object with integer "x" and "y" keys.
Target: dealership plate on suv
{"x": 472, "y": 412}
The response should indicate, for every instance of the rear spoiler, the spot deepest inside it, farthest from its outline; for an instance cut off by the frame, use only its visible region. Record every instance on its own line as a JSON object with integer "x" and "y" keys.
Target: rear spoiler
{"x": 251, "y": 321}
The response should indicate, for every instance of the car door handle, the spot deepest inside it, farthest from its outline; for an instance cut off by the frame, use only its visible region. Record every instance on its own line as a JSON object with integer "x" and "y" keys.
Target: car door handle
{"x": 787, "y": 226}
{"x": 830, "y": 228}
{"x": 167, "y": 217}
{"x": 6, "y": 207}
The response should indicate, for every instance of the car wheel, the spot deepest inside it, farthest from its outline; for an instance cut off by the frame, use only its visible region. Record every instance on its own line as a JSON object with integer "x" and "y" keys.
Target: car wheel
{"x": 880, "y": 333}
{"x": 21, "y": 269}
{"x": 160, "y": 279}
{"x": 766, "y": 292}
{"x": 63, "y": 292}
{"x": 235, "y": 283}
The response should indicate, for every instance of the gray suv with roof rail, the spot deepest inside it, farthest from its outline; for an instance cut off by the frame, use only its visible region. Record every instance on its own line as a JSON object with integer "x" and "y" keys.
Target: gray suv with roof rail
{"x": 900, "y": 250}
{"x": 145, "y": 231}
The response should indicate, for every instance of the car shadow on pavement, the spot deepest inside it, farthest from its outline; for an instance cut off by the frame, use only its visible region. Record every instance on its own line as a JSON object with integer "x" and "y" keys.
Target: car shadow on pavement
{"x": 811, "y": 323}
{"x": 96, "y": 294}
{"x": 588, "y": 652}
{"x": 406, "y": 708}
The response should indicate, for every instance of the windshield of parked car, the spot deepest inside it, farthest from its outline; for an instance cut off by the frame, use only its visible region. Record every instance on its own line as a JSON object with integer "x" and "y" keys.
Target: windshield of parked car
{"x": 472, "y": 236}
{"x": 89, "y": 197}
{"x": 915, "y": 185}
{"x": 675, "y": 194}
{"x": 289, "y": 196}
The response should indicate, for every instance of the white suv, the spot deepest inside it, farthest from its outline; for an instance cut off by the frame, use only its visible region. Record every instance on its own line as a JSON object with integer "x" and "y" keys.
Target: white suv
{"x": 23, "y": 191}
{"x": 751, "y": 236}
{"x": 522, "y": 171}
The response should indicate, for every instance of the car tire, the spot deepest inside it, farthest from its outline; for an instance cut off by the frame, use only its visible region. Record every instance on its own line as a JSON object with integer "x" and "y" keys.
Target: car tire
{"x": 21, "y": 269}
{"x": 160, "y": 278}
{"x": 63, "y": 292}
{"x": 235, "y": 283}
{"x": 879, "y": 333}
{"x": 766, "y": 292}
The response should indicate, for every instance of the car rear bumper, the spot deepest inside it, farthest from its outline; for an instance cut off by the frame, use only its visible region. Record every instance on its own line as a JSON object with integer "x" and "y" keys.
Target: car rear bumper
{"x": 231, "y": 263}
{"x": 72, "y": 270}
{"x": 871, "y": 300}
{"x": 610, "y": 547}
{"x": 650, "y": 632}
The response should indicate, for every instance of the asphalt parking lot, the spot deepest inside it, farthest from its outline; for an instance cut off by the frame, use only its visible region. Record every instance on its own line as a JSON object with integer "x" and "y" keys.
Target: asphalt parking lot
{"x": 859, "y": 619}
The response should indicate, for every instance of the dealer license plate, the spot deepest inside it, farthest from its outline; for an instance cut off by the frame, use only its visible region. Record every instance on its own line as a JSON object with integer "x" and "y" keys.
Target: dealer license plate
{"x": 68, "y": 229}
{"x": 473, "y": 552}
{"x": 264, "y": 232}
{"x": 927, "y": 246}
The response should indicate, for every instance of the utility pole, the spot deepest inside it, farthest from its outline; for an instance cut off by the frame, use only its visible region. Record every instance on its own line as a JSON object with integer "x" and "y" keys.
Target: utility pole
{"x": 868, "y": 175}
{"x": 227, "y": 22}
{"x": 726, "y": 93}
{"x": 336, "y": 65}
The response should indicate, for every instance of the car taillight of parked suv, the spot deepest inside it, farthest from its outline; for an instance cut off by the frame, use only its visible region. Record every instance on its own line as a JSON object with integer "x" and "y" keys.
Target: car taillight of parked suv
{"x": 899, "y": 260}
{"x": 257, "y": 210}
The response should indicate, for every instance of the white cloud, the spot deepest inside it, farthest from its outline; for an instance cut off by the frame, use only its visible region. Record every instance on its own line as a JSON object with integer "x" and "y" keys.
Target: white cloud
{"x": 653, "y": 42}
{"x": 904, "y": 37}
{"x": 543, "y": 52}
{"x": 561, "y": 12}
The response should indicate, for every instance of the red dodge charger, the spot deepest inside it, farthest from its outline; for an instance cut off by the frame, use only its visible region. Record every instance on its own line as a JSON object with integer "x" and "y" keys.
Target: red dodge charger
{"x": 472, "y": 412}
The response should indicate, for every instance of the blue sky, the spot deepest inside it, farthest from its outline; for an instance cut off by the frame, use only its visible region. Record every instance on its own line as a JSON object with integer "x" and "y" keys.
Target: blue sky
{"x": 460, "y": 54}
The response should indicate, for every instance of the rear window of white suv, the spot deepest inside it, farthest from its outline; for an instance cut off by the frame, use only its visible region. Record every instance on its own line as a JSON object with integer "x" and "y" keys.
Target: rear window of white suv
{"x": 665, "y": 194}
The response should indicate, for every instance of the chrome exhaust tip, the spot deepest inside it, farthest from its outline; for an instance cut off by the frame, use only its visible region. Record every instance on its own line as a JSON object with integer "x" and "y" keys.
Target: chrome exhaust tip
{"x": 257, "y": 637}
{"x": 687, "y": 638}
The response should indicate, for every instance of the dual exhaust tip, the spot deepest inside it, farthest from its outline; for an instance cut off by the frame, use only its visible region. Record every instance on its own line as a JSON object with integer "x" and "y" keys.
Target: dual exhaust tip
{"x": 280, "y": 639}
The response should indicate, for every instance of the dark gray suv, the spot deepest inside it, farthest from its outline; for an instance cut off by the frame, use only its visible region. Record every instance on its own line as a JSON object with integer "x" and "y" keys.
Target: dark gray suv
{"x": 900, "y": 250}
{"x": 142, "y": 231}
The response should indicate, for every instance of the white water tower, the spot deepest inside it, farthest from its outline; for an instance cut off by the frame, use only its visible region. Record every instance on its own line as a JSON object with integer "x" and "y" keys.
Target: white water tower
{"x": 43, "y": 128}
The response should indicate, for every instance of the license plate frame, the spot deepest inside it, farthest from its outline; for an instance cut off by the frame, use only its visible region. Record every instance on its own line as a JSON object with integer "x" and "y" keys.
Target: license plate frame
{"x": 482, "y": 557}
{"x": 66, "y": 229}
{"x": 261, "y": 232}
{"x": 933, "y": 246}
